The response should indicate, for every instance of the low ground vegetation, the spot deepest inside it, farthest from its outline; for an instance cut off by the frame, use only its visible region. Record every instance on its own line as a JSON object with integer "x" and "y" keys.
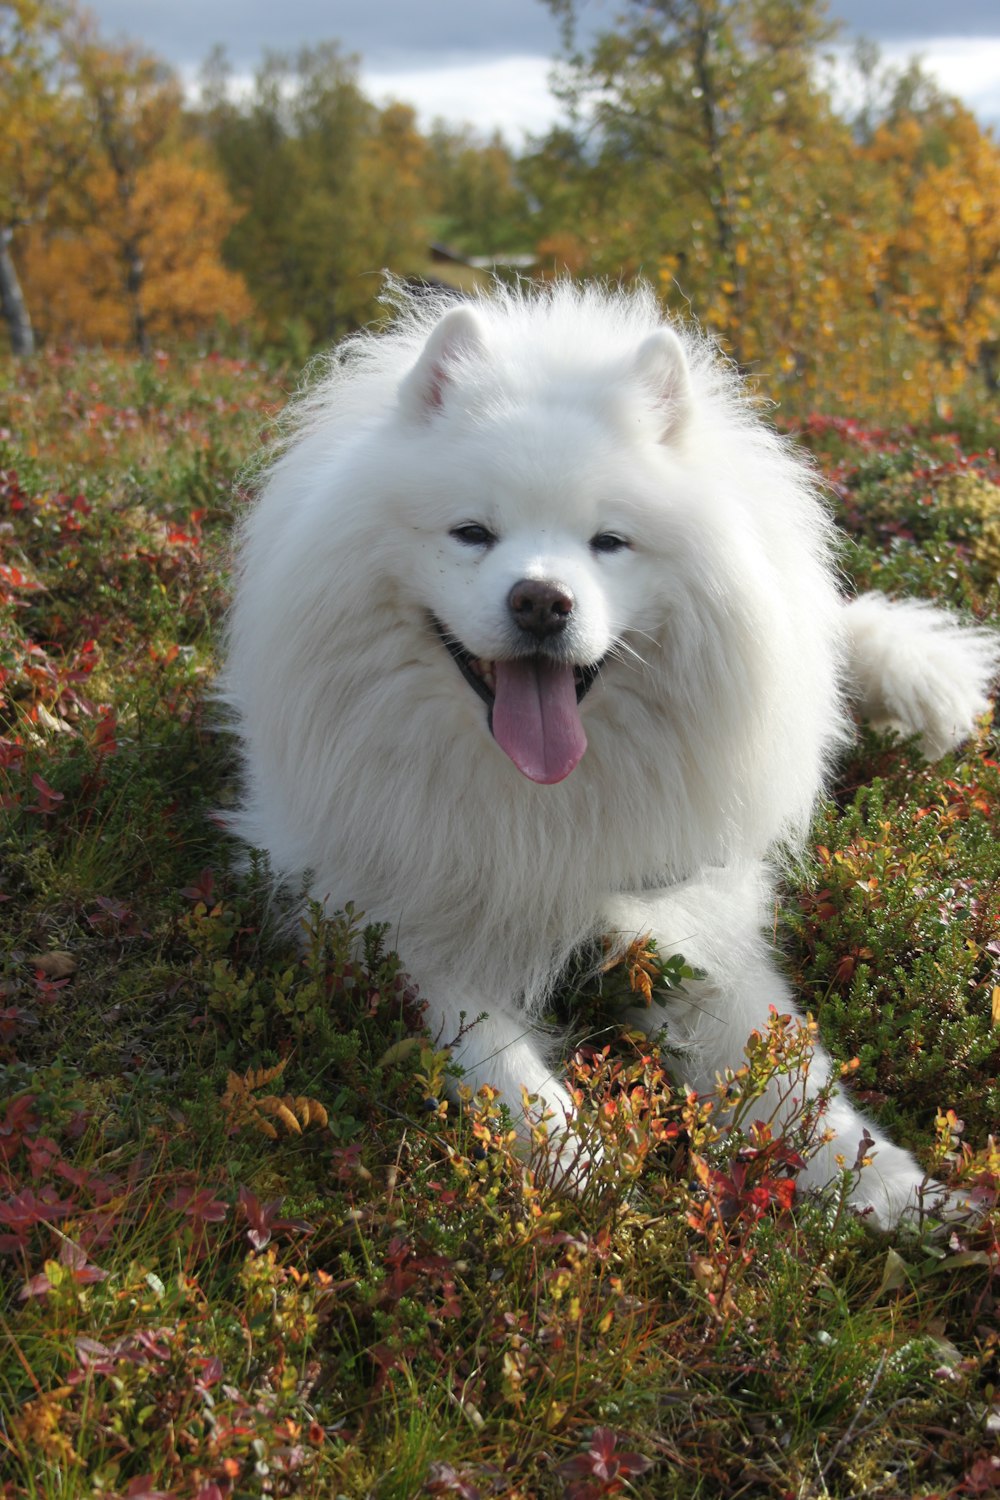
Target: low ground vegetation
{"x": 246, "y": 1248}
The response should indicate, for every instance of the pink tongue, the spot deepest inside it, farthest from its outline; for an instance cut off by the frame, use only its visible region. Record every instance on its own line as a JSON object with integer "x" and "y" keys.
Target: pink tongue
{"x": 535, "y": 717}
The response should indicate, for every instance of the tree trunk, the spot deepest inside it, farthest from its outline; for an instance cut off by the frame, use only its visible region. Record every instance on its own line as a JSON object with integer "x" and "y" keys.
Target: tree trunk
{"x": 135, "y": 276}
{"x": 719, "y": 197}
{"x": 12, "y": 303}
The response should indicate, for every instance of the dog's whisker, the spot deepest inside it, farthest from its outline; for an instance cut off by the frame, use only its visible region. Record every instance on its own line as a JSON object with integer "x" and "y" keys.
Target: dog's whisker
{"x": 627, "y": 655}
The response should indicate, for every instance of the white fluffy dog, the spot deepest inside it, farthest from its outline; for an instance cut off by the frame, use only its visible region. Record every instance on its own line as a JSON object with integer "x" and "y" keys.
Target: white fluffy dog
{"x": 536, "y": 638}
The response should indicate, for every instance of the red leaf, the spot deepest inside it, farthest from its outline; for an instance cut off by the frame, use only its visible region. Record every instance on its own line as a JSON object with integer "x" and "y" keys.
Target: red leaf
{"x": 142, "y": 1488}
{"x": 26, "y": 1209}
{"x": 49, "y": 798}
{"x": 204, "y": 890}
{"x": 263, "y": 1218}
{"x": 74, "y": 1256}
{"x": 36, "y": 1287}
{"x": 211, "y": 1370}
{"x": 104, "y": 741}
{"x": 199, "y": 1205}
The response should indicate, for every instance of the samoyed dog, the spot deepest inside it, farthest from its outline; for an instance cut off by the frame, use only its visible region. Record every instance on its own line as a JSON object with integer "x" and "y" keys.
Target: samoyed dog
{"x": 537, "y": 637}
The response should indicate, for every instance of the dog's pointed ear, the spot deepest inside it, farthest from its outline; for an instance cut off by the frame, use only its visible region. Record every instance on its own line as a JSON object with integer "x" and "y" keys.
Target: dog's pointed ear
{"x": 459, "y": 333}
{"x": 663, "y": 368}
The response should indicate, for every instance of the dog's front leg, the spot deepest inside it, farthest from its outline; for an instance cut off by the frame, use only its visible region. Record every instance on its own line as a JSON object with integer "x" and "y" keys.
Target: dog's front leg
{"x": 715, "y": 922}
{"x": 500, "y": 1047}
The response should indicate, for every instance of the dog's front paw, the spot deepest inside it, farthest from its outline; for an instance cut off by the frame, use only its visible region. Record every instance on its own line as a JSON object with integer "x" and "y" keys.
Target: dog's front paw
{"x": 906, "y": 1196}
{"x": 562, "y": 1151}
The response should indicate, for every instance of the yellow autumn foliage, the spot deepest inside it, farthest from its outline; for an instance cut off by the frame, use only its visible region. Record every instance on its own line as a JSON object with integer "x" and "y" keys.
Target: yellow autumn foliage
{"x": 979, "y": 497}
{"x": 265, "y": 1113}
{"x": 177, "y": 219}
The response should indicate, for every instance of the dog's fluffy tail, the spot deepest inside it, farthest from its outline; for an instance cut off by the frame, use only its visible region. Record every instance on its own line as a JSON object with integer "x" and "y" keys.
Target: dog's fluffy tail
{"x": 917, "y": 669}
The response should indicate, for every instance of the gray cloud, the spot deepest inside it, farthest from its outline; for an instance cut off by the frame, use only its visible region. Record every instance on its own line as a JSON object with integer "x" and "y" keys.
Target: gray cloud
{"x": 918, "y": 20}
{"x": 387, "y": 33}
{"x": 396, "y": 34}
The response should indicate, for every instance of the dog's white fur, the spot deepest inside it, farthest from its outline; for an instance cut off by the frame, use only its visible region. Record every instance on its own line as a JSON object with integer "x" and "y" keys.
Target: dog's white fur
{"x": 551, "y": 418}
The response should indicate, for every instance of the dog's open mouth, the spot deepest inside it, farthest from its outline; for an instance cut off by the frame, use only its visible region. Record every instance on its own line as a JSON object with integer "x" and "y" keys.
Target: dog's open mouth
{"x": 533, "y": 707}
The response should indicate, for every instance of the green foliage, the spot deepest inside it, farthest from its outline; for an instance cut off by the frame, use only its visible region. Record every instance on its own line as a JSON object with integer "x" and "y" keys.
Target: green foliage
{"x": 331, "y": 187}
{"x": 897, "y": 940}
{"x": 482, "y": 206}
{"x": 847, "y": 251}
{"x": 249, "y": 1242}
{"x": 851, "y": 257}
{"x": 921, "y": 515}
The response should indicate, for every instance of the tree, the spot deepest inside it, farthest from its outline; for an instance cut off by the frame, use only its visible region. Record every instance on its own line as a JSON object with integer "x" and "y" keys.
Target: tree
{"x": 852, "y": 257}
{"x": 135, "y": 105}
{"x": 43, "y": 137}
{"x": 148, "y": 269}
{"x": 476, "y": 191}
{"x": 695, "y": 109}
{"x": 332, "y": 190}
{"x": 135, "y": 252}
{"x": 940, "y": 271}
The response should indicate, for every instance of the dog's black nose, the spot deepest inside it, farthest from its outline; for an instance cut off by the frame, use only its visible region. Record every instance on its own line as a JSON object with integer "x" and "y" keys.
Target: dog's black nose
{"x": 540, "y": 608}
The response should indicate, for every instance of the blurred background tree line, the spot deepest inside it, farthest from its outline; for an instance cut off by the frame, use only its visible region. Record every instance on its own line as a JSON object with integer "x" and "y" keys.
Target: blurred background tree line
{"x": 848, "y": 252}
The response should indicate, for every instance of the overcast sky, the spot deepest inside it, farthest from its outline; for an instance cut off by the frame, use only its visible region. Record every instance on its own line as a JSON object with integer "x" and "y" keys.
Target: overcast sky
{"x": 487, "y": 61}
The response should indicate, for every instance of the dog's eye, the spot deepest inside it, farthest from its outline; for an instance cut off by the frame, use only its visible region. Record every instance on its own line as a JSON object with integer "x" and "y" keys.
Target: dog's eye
{"x": 473, "y": 535}
{"x": 607, "y": 541}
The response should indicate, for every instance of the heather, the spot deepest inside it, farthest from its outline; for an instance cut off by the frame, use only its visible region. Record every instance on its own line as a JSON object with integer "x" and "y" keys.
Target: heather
{"x": 248, "y": 1247}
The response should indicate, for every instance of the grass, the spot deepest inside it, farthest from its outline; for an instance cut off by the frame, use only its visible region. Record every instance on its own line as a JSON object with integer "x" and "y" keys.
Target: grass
{"x": 246, "y": 1249}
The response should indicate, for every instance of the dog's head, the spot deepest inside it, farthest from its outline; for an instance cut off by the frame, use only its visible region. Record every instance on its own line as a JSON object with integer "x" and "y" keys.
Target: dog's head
{"x": 535, "y": 501}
